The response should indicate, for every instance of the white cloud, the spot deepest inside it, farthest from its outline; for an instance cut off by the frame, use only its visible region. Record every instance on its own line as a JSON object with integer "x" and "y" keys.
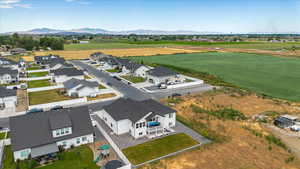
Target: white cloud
{"x": 13, "y": 4}
{"x": 82, "y": 2}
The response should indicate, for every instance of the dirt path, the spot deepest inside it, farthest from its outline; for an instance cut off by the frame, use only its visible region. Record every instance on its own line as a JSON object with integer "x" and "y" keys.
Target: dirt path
{"x": 22, "y": 100}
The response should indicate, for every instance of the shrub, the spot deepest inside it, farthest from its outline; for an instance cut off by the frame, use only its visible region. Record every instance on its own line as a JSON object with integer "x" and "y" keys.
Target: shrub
{"x": 275, "y": 140}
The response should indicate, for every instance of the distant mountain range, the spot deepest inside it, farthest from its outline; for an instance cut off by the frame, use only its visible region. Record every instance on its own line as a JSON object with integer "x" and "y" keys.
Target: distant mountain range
{"x": 41, "y": 31}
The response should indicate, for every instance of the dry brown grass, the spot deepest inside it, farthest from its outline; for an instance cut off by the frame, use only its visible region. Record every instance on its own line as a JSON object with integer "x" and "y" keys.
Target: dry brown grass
{"x": 82, "y": 54}
{"x": 241, "y": 148}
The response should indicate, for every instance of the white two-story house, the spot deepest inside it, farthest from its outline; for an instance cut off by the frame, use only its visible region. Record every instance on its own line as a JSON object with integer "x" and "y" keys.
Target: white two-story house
{"x": 138, "y": 118}
{"x": 8, "y": 75}
{"x": 41, "y": 134}
{"x": 8, "y": 98}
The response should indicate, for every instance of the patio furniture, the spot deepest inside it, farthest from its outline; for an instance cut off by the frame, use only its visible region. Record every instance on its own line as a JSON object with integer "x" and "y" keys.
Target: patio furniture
{"x": 104, "y": 147}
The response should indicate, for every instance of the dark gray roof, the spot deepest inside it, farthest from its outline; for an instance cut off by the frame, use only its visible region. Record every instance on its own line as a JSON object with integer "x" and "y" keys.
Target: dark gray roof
{"x": 67, "y": 72}
{"x": 135, "y": 110}
{"x": 4, "y": 92}
{"x": 55, "y": 61}
{"x": 6, "y": 70}
{"x": 69, "y": 84}
{"x": 8, "y": 61}
{"x": 113, "y": 164}
{"x": 59, "y": 121}
{"x": 33, "y": 130}
{"x": 161, "y": 72}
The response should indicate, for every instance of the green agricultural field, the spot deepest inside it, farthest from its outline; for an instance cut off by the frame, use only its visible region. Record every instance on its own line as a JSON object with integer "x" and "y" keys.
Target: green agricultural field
{"x": 243, "y": 45}
{"x": 274, "y": 76}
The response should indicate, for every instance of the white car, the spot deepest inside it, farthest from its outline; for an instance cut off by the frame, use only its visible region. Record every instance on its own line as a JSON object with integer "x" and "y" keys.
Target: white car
{"x": 295, "y": 128}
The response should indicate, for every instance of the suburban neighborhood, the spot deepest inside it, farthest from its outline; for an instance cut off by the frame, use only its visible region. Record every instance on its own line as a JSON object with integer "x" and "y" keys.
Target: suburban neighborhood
{"x": 89, "y": 84}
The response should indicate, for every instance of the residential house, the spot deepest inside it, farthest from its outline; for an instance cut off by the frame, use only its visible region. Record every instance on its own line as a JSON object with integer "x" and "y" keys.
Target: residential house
{"x": 17, "y": 51}
{"x": 64, "y": 74}
{"x": 160, "y": 75}
{"x": 109, "y": 63}
{"x": 8, "y": 75}
{"x": 8, "y": 63}
{"x": 43, "y": 60}
{"x": 41, "y": 134}
{"x": 81, "y": 88}
{"x": 138, "y": 118}
{"x": 98, "y": 55}
{"x": 135, "y": 69}
{"x": 8, "y": 98}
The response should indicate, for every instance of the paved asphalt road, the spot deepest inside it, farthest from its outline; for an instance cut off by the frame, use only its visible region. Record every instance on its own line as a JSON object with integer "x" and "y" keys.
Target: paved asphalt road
{"x": 127, "y": 90}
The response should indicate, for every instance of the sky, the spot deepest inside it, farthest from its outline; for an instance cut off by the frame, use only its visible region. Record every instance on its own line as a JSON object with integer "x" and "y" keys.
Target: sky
{"x": 226, "y": 16}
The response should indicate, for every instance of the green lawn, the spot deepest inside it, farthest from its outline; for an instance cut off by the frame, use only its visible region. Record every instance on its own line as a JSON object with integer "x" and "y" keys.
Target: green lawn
{"x": 274, "y": 76}
{"x": 101, "y": 87}
{"x": 38, "y": 74}
{"x": 38, "y": 83}
{"x": 46, "y": 96}
{"x": 134, "y": 79}
{"x": 77, "y": 158}
{"x": 2, "y": 135}
{"x": 113, "y": 70}
{"x": 159, "y": 147}
{"x": 34, "y": 68}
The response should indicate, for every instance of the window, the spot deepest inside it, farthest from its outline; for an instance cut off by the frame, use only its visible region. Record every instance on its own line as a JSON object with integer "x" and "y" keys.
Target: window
{"x": 67, "y": 130}
{"x": 57, "y": 133}
{"x": 105, "y": 118}
{"x": 141, "y": 133}
{"x": 62, "y": 131}
{"x": 64, "y": 144}
{"x": 171, "y": 115}
{"x": 24, "y": 153}
{"x": 111, "y": 125}
{"x": 83, "y": 138}
{"x": 144, "y": 124}
{"x": 141, "y": 125}
{"x": 137, "y": 126}
{"x": 78, "y": 140}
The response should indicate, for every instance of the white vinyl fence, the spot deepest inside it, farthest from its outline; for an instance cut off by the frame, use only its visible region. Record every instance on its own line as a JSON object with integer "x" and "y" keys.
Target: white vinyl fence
{"x": 35, "y": 78}
{"x": 39, "y": 70}
{"x": 60, "y": 103}
{"x": 45, "y": 88}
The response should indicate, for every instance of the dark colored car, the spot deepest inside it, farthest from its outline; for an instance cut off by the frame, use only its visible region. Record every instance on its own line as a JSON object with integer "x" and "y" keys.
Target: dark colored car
{"x": 57, "y": 108}
{"x": 176, "y": 95}
{"x": 35, "y": 110}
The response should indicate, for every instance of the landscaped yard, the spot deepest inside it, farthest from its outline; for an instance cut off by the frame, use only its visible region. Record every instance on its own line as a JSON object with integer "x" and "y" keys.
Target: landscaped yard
{"x": 102, "y": 96}
{"x": 46, "y": 96}
{"x": 113, "y": 70}
{"x": 134, "y": 79}
{"x": 273, "y": 76}
{"x": 38, "y": 74}
{"x": 3, "y": 135}
{"x": 38, "y": 83}
{"x": 76, "y": 158}
{"x": 35, "y": 67}
{"x": 159, "y": 147}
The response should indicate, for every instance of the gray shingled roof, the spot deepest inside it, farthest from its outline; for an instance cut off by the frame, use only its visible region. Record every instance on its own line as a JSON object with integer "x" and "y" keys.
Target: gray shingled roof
{"x": 6, "y": 70}
{"x": 8, "y": 61}
{"x": 161, "y": 72}
{"x": 59, "y": 121}
{"x": 135, "y": 110}
{"x": 69, "y": 84}
{"x": 4, "y": 92}
{"x": 67, "y": 72}
{"x": 33, "y": 130}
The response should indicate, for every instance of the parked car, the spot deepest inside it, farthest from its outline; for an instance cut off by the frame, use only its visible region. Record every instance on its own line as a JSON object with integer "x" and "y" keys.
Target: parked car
{"x": 295, "y": 128}
{"x": 162, "y": 86}
{"x": 35, "y": 110}
{"x": 176, "y": 95}
{"x": 57, "y": 108}
{"x": 116, "y": 77}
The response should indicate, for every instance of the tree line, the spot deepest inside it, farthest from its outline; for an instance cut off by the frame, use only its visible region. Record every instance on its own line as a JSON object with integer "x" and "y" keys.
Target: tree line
{"x": 32, "y": 43}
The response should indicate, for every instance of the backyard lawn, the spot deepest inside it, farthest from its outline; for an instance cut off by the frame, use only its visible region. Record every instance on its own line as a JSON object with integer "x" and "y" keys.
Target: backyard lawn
{"x": 38, "y": 83}
{"x": 46, "y": 96}
{"x": 101, "y": 87}
{"x": 134, "y": 79}
{"x": 270, "y": 75}
{"x": 113, "y": 70}
{"x": 77, "y": 158}
{"x": 3, "y": 135}
{"x": 34, "y": 68}
{"x": 38, "y": 74}
{"x": 159, "y": 147}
